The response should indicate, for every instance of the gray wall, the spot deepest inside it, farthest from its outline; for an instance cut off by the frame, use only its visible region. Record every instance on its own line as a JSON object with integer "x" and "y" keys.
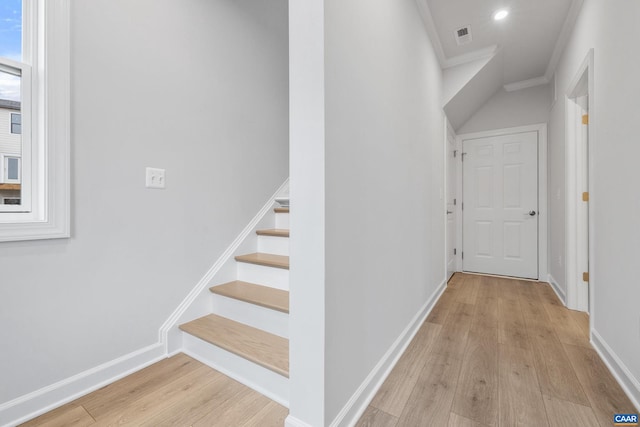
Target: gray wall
{"x": 199, "y": 87}
{"x": 384, "y": 248}
{"x": 610, "y": 28}
{"x": 509, "y": 109}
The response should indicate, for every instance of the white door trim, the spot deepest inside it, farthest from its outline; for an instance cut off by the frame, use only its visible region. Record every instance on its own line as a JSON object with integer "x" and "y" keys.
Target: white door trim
{"x": 574, "y": 234}
{"x": 543, "y": 205}
{"x": 457, "y": 266}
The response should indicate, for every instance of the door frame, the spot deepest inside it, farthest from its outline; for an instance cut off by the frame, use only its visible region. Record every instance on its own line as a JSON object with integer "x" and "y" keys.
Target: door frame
{"x": 574, "y": 222}
{"x": 456, "y": 208}
{"x": 543, "y": 204}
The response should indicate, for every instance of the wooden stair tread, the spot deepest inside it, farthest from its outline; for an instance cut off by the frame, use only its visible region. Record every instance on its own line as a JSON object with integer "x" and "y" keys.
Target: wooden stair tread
{"x": 276, "y": 232}
{"x": 269, "y": 260}
{"x": 265, "y": 349}
{"x": 281, "y": 210}
{"x": 275, "y": 299}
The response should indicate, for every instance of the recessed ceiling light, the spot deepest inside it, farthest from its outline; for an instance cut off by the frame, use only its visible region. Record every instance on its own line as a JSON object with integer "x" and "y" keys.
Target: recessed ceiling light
{"x": 500, "y": 15}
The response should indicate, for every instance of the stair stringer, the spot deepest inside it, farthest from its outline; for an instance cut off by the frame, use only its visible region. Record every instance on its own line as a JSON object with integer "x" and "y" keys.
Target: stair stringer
{"x": 199, "y": 301}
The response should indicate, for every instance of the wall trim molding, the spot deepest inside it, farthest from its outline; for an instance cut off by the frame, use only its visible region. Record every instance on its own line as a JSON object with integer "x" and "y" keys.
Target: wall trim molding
{"x": 359, "y": 401}
{"x": 556, "y": 288}
{"x": 215, "y": 268}
{"x": 52, "y": 396}
{"x": 292, "y": 421}
{"x": 630, "y": 385}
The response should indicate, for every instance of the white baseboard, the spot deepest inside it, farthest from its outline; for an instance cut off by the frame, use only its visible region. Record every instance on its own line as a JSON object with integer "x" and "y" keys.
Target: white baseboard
{"x": 40, "y": 401}
{"x": 294, "y": 422}
{"x": 359, "y": 401}
{"x": 557, "y": 290}
{"x": 630, "y": 385}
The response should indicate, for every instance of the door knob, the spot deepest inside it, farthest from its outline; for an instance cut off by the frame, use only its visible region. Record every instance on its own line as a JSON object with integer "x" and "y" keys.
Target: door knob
{"x": 531, "y": 213}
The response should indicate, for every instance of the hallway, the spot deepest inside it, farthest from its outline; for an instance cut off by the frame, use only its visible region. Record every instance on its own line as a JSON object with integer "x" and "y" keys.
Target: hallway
{"x": 499, "y": 352}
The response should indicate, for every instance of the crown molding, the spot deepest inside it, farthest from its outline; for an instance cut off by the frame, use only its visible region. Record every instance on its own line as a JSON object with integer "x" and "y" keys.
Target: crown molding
{"x": 524, "y": 84}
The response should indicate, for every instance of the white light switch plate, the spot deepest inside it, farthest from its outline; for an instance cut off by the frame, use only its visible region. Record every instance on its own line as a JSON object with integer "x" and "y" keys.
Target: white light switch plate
{"x": 154, "y": 178}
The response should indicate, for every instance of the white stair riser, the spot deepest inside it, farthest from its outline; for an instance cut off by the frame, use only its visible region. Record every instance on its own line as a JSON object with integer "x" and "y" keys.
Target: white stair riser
{"x": 267, "y": 276}
{"x": 272, "y": 321}
{"x": 282, "y": 220}
{"x": 262, "y": 380}
{"x": 273, "y": 245}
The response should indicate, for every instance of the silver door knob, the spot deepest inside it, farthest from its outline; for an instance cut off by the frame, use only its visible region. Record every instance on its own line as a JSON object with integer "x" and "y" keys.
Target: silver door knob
{"x": 531, "y": 213}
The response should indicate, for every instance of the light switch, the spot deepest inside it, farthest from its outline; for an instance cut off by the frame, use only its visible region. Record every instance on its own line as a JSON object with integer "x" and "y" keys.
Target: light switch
{"x": 154, "y": 178}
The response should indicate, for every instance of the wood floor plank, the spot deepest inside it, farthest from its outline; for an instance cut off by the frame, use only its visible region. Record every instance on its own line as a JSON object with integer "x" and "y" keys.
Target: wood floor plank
{"x": 568, "y": 331}
{"x": 441, "y": 308}
{"x": 562, "y": 413}
{"x": 374, "y": 417}
{"x": 396, "y": 389}
{"x": 476, "y": 395}
{"x": 272, "y": 415}
{"x": 582, "y": 320}
{"x": 69, "y": 415}
{"x": 432, "y": 397}
{"x": 485, "y": 316}
{"x": 467, "y": 290}
{"x": 241, "y": 412}
{"x": 452, "y": 339}
{"x": 456, "y": 420}
{"x": 547, "y": 294}
{"x": 265, "y": 349}
{"x": 121, "y": 393}
{"x": 555, "y": 373}
{"x": 531, "y": 304}
{"x": 214, "y": 397}
{"x": 511, "y": 325}
{"x": 604, "y": 393}
{"x": 157, "y": 400}
{"x": 520, "y": 399}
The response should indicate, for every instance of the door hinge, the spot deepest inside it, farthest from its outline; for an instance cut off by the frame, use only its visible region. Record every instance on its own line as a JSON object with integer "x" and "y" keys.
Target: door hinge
{"x": 455, "y": 153}
{"x": 455, "y": 251}
{"x": 585, "y": 196}
{"x": 585, "y": 277}
{"x": 462, "y": 156}
{"x": 585, "y": 119}
{"x": 454, "y": 202}
{"x": 462, "y": 254}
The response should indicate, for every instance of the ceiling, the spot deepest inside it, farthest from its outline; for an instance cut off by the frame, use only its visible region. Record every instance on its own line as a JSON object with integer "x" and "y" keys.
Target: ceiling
{"x": 530, "y": 39}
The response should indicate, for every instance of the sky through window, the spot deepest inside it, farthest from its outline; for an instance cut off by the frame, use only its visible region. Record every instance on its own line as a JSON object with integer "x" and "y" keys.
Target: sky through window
{"x": 10, "y": 45}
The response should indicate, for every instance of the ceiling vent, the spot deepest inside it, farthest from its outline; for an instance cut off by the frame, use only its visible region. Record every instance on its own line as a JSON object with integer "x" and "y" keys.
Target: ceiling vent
{"x": 463, "y": 35}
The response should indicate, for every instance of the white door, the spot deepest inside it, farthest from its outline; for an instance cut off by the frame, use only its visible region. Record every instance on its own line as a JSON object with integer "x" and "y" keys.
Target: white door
{"x": 451, "y": 203}
{"x": 500, "y": 205}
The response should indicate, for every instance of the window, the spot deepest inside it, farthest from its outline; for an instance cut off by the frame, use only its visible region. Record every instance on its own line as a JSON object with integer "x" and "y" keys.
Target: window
{"x": 16, "y": 123}
{"x": 34, "y": 119}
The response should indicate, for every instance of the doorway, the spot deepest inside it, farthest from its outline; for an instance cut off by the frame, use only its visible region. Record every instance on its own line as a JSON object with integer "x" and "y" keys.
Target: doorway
{"x": 504, "y": 217}
{"x": 451, "y": 203}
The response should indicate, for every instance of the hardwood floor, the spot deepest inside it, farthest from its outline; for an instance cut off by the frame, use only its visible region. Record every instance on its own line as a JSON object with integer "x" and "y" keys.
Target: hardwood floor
{"x": 499, "y": 352}
{"x": 178, "y": 391}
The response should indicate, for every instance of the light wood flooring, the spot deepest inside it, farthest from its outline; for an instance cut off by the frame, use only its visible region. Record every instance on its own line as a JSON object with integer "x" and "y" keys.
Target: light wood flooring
{"x": 499, "y": 352}
{"x": 178, "y": 391}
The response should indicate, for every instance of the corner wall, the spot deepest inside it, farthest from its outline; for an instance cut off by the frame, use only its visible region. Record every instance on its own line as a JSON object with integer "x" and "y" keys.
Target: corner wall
{"x": 609, "y": 27}
{"x": 197, "y": 87}
{"x": 384, "y": 248}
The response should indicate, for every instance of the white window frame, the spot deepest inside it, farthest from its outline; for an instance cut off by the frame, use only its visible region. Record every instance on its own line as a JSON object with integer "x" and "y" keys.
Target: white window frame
{"x": 4, "y": 161}
{"x": 45, "y": 84}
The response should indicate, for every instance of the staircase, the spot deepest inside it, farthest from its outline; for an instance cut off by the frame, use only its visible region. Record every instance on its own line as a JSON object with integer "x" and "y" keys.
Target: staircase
{"x": 246, "y": 334}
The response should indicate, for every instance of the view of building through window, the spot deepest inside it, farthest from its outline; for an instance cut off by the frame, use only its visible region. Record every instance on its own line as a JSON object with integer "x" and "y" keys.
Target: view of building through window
{"x": 10, "y": 102}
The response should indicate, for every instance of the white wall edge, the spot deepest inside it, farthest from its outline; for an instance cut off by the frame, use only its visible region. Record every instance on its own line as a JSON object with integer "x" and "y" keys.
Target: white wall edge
{"x": 557, "y": 290}
{"x": 55, "y": 395}
{"x": 630, "y": 385}
{"x": 359, "y": 401}
{"x": 209, "y": 275}
{"x": 563, "y": 39}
